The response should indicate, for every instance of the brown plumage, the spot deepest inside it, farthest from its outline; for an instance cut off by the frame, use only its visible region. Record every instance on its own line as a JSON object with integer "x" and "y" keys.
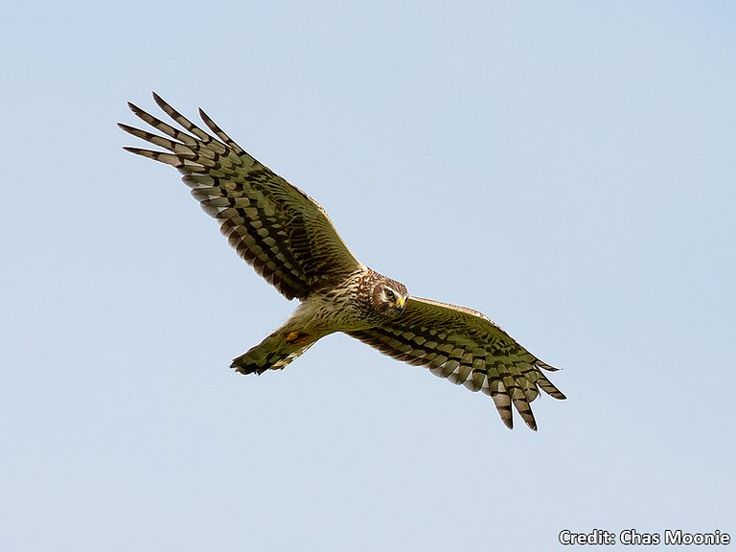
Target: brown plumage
{"x": 289, "y": 240}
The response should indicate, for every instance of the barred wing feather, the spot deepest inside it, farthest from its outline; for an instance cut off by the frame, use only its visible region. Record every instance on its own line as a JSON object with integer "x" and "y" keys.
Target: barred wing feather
{"x": 283, "y": 233}
{"x": 466, "y": 347}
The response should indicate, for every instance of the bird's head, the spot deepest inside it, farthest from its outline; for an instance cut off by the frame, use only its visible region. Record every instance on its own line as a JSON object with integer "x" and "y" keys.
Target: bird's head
{"x": 389, "y": 297}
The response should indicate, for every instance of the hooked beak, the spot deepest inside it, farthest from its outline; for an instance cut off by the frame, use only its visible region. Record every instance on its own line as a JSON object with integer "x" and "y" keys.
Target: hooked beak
{"x": 401, "y": 302}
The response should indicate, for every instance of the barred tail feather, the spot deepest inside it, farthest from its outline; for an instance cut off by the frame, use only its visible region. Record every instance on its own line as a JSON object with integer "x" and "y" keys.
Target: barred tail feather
{"x": 273, "y": 353}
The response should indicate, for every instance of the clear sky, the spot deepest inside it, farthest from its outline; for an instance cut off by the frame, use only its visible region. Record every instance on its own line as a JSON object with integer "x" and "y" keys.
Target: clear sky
{"x": 567, "y": 168}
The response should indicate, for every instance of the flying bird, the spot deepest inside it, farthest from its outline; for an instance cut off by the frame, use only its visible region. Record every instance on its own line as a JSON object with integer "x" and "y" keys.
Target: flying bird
{"x": 289, "y": 240}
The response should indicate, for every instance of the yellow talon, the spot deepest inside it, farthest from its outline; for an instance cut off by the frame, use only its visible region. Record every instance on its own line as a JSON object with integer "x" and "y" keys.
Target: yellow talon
{"x": 292, "y": 336}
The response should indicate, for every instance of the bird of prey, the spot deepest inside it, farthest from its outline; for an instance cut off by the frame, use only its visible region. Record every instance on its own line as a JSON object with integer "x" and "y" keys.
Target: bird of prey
{"x": 289, "y": 240}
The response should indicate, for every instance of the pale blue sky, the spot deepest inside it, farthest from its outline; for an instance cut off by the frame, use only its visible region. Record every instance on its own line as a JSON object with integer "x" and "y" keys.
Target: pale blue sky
{"x": 567, "y": 168}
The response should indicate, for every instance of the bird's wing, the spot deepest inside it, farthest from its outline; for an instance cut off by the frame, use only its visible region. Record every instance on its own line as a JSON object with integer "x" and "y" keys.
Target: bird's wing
{"x": 466, "y": 347}
{"x": 278, "y": 229}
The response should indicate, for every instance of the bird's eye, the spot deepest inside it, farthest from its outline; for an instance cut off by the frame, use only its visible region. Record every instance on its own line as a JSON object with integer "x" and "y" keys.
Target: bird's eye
{"x": 390, "y": 294}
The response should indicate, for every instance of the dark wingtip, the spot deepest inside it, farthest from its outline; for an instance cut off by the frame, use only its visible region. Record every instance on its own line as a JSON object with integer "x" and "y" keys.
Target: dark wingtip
{"x": 150, "y": 154}
{"x": 127, "y": 128}
{"x": 547, "y": 367}
{"x": 207, "y": 119}
{"x": 528, "y": 417}
{"x": 163, "y": 104}
{"x": 134, "y": 108}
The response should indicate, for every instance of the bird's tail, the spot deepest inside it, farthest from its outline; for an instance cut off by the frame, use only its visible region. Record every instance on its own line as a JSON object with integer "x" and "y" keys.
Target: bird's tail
{"x": 274, "y": 352}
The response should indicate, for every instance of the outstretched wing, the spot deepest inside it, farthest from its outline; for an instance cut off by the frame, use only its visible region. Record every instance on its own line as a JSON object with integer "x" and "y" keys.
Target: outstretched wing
{"x": 278, "y": 229}
{"x": 466, "y": 347}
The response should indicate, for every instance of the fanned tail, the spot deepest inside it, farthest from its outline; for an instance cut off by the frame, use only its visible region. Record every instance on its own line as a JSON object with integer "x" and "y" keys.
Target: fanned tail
{"x": 273, "y": 353}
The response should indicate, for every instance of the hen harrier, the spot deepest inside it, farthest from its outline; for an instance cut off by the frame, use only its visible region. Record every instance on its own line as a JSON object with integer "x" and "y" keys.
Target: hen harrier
{"x": 289, "y": 240}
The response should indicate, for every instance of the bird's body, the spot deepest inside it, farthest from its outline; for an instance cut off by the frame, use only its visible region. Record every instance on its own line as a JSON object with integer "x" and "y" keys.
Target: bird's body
{"x": 288, "y": 239}
{"x": 336, "y": 310}
{"x": 345, "y": 307}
